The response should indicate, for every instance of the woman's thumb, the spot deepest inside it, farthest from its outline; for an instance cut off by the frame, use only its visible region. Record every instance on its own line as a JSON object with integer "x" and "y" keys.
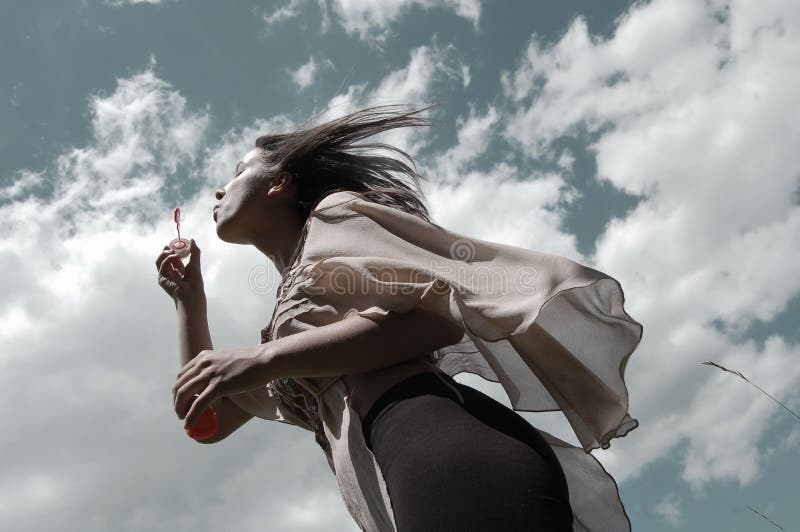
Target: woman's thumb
{"x": 194, "y": 252}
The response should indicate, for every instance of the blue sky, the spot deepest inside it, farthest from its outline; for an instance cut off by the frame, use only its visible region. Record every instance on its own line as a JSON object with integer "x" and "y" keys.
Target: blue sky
{"x": 655, "y": 141}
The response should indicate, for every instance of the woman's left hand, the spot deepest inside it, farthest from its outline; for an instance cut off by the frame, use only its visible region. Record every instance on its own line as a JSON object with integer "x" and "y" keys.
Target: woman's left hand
{"x": 216, "y": 373}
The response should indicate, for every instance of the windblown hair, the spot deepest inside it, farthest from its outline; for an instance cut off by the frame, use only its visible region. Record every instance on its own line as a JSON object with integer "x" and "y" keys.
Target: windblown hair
{"x": 328, "y": 157}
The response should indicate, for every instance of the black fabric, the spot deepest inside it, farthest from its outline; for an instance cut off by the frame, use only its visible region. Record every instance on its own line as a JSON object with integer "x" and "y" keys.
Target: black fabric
{"x": 474, "y": 467}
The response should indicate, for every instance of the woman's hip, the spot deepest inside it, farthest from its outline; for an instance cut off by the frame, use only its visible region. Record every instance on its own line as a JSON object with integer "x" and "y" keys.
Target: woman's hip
{"x": 479, "y": 459}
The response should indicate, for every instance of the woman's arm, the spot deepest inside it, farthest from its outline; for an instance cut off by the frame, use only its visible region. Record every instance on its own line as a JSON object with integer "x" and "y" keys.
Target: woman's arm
{"x": 193, "y": 333}
{"x": 357, "y": 345}
{"x": 350, "y": 346}
{"x": 193, "y": 337}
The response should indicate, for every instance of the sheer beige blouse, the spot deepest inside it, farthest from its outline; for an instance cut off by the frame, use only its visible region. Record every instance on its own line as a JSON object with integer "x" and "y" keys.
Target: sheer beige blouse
{"x": 552, "y": 332}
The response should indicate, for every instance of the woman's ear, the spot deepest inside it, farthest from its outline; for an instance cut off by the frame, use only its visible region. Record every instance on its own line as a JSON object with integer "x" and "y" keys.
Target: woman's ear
{"x": 281, "y": 183}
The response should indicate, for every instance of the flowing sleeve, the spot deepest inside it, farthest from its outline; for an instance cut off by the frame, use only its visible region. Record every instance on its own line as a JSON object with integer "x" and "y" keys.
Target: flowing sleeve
{"x": 554, "y": 333}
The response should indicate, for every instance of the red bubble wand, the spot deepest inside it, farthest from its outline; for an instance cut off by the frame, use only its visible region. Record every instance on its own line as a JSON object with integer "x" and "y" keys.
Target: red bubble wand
{"x": 179, "y": 245}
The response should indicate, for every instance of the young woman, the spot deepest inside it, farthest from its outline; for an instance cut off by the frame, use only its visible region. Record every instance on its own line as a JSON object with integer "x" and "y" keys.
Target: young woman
{"x": 377, "y": 309}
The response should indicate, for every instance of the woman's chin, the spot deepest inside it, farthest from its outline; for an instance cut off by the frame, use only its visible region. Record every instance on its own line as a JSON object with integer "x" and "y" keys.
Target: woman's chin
{"x": 221, "y": 233}
{"x": 230, "y": 238}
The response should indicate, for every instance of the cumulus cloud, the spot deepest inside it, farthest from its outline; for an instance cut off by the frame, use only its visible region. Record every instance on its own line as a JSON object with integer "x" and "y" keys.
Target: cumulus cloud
{"x": 220, "y": 159}
{"x": 142, "y": 131}
{"x": 474, "y": 134}
{"x": 429, "y": 66}
{"x": 692, "y": 117}
{"x": 527, "y": 207}
{"x": 119, "y": 3}
{"x": 370, "y": 20}
{"x": 24, "y": 182}
{"x": 89, "y": 346}
{"x": 306, "y": 74}
{"x": 282, "y": 14}
{"x": 669, "y": 510}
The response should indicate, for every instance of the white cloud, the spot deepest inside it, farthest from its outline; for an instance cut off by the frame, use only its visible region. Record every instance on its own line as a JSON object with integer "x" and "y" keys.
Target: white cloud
{"x": 220, "y": 159}
{"x": 283, "y": 13}
{"x": 428, "y": 66}
{"x": 465, "y": 75}
{"x": 371, "y": 19}
{"x": 88, "y": 341}
{"x": 413, "y": 82}
{"x": 696, "y": 122}
{"x": 24, "y": 182}
{"x": 669, "y": 510}
{"x": 791, "y": 441}
{"x": 566, "y": 160}
{"x": 524, "y": 209}
{"x": 474, "y": 134}
{"x": 141, "y": 130}
{"x": 325, "y": 23}
{"x": 306, "y": 74}
{"x": 119, "y": 3}
{"x": 708, "y": 241}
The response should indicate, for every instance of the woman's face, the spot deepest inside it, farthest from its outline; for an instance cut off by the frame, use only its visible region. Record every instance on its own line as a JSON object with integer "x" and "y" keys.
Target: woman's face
{"x": 244, "y": 205}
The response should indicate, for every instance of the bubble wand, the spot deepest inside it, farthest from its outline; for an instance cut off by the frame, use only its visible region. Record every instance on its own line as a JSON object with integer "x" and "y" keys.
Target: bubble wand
{"x": 179, "y": 245}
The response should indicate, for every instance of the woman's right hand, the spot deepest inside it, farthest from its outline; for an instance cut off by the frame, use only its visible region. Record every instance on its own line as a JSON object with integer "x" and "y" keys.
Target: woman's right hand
{"x": 183, "y": 284}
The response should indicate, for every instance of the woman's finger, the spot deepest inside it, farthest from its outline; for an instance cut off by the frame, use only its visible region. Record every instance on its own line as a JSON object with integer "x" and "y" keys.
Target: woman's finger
{"x": 187, "y": 375}
{"x": 167, "y": 270}
{"x": 185, "y": 393}
{"x": 166, "y": 276}
{"x": 183, "y": 376}
{"x": 162, "y": 256}
{"x": 172, "y": 257}
{"x": 193, "y": 266}
{"x": 178, "y": 265}
{"x": 189, "y": 365}
{"x": 198, "y": 405}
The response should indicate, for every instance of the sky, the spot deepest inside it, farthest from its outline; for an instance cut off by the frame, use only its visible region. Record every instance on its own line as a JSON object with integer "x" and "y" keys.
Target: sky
{"x": 655, "y": 141}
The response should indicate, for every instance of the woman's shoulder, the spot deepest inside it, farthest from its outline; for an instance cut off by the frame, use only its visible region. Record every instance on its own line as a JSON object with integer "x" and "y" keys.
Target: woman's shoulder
{"x": 337, "y": 198}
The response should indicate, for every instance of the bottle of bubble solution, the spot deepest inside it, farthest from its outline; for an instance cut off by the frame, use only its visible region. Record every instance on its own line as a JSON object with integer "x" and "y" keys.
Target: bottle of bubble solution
{"x": 206, "y": 425}
{"x": 179, "y": 245}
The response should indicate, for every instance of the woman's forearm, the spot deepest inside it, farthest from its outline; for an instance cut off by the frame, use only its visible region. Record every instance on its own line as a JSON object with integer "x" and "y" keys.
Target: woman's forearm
{"x": 194, "y": 337}
{"x": 357, "y": 345}
{"x": 193, "y": 333}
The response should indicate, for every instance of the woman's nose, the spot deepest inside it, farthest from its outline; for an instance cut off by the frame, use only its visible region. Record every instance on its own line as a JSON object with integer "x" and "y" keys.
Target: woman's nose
{"x": 219, "y": 193}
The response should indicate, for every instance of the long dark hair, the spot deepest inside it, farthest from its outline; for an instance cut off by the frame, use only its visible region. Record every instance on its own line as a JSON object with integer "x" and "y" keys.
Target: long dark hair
{"x": 328, "y": 157}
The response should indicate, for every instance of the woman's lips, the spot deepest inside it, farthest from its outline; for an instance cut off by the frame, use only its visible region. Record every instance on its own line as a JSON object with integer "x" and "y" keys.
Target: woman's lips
{"x": 214, "y": 212}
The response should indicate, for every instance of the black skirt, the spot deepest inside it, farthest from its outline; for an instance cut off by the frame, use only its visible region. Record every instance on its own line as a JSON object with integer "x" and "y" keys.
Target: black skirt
{"x": 476, "y": 466}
